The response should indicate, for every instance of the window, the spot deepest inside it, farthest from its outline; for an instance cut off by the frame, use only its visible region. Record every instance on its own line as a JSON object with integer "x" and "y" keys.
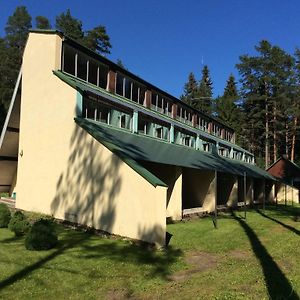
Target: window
{"x": 120, "y": 84}
{"x": 69, "y": 57}
{"x": 82, "y": 66}
{"x": 159, "y": 132}
{"x": 93, "y": 72}
{"x": 127, "y": 88}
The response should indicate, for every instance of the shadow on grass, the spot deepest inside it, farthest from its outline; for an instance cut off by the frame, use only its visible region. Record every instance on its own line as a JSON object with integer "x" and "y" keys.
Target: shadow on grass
{"x": 62, "y": 246}
{"x": 11, "y": 239}
{"x": 291, "y": 228}
{"x": 159, "y": 262}
{"x": 277, "y": 284}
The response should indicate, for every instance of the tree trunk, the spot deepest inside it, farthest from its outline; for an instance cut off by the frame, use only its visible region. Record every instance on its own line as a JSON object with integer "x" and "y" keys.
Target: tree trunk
{"x": 286, "y": 139}
{"x": 267, "y": 137}
{"x": 294, "y": 139}
{"x": 275, "y": 134}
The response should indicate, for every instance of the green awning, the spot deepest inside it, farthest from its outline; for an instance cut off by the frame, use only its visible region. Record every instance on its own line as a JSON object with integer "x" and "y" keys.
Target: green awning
{"x": 138, "y": 147}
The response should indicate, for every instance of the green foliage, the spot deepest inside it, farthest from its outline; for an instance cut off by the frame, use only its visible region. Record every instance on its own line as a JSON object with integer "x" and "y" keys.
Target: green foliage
{"x": 204, "y": 95}
{"x": 41, "y": 236}
{"x": 190, "y": 90}
{"x": 69, "y": 25}
{"x": 97, "y": 40}
{"x": 227, "y": 108}
{"x": 268, "y": 86}
{"x": 17, "y": 28}
{"x": 5, "y": 215}
{"x": 42, "y": 22}
{"x": 19, "y": 224}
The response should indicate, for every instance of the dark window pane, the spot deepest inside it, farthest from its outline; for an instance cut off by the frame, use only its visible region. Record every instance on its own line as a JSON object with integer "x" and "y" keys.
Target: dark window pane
{"x": 142, "y": 95}
{"x": 135, "y": 94}
{"x": 119, "y": 84}
{"x": 103, "y": 71}
{"x": 81, "y": 66}
{"x": 93, "y": 67}
{"x": 127, "y": 88}
{"x": 153, "y": 100}
{"x": 69, "y": 59}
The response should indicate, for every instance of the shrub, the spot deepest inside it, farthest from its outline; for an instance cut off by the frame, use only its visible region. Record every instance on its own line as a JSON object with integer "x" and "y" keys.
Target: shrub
{"x": 19, "y": 224}
{"x": 4, "y": 215}
{"x": 41, "y": 236}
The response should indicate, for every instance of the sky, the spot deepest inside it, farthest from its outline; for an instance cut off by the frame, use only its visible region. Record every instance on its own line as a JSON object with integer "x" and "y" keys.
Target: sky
{"x": 163, "y": 41}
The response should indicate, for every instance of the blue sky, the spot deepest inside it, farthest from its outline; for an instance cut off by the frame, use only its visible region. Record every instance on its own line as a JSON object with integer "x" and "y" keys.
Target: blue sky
{"x": 162, "y": 41}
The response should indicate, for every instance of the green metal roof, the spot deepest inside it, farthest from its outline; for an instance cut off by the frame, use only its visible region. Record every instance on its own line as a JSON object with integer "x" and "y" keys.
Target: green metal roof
{"x": 83, "y": 86}
{"x": 135, "y": 148}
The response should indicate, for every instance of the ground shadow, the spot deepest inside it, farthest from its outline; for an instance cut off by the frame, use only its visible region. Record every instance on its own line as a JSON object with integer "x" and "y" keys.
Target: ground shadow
{"x": 60, "y": 249}
{"x": 277, "y": 284}
{"x": 291, "y": 228}
{"x": 85, "y": 246}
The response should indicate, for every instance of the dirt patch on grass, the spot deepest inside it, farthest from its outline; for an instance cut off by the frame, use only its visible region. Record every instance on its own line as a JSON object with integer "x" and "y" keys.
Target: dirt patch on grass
{"x": 199, "y": 261}
{"x": 118, "y": 294}
{"x": 239, "y": 254}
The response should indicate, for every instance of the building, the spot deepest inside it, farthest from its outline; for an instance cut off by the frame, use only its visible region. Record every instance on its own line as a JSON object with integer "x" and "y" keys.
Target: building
{"x": 90, "y": 142}
{"x": 288, "y": 175}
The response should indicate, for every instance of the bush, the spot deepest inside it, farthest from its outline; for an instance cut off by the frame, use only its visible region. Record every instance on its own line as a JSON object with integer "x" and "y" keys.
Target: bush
{"x": 4, "y": 215}
{"x": 19, "y": 224}
{"x": 41, "y": 236}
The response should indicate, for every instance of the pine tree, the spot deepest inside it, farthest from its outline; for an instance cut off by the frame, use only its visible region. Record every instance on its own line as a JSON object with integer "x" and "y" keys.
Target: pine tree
{"x": 190, "y": 90}
{"x": 11, "y": 49}
{"x": 69, "y": 25}
{"x": 267, "y": 86}
{"x": 97, "y": 40}
{"x": 227, "y": 109}
{"x": 42, "y": 22}
{"x": 204, "y": 94}
{"x": 17, "y": 28}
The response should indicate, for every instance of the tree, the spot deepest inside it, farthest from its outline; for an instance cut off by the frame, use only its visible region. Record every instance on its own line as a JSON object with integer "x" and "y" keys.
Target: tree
{"x": 17, "y": 28}
{"x": 97, "y": 40}
{"x": 11, "y": 49}
{"x": 69, "y": 25}
{"x": 267, "y": 86}
{"x": 203, "y": 101}
{"x": 190, "y": 90}
{"x": 42, "y": 22}
{"x": 228, "y": 110}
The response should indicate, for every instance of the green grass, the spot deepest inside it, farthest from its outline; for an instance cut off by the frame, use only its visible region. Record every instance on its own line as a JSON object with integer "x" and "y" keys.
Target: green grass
{"x": 256, "y": 258}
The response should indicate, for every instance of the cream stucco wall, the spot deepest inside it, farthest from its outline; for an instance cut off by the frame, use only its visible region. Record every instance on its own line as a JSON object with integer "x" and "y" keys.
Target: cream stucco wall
{"x": 286, "y": 192}
{"x": 65, "y": 172}
{"x": 172, "y": 176}
{"x": 198, "y": 189}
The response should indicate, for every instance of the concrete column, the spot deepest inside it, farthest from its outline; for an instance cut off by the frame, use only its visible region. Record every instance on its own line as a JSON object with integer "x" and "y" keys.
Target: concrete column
{"x": 147, "y": 101}
{"x": 194, "y": 120}
{"x": 135, "y": 119}
{"x": 174, "y": 111}
{"x": 111, "y": 82}
{"x": 79, "y": 104}
{"x": 210, "y": 127}
{"x": 172, "y": 134}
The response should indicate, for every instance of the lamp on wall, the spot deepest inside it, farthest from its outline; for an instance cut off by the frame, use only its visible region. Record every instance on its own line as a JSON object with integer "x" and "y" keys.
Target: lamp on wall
{"x": 21, "y": 153}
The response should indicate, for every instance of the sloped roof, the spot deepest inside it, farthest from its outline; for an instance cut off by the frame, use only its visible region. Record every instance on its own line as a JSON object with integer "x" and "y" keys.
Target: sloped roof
{"x": 138, "y": 147}
{"x": 83, "y": 86}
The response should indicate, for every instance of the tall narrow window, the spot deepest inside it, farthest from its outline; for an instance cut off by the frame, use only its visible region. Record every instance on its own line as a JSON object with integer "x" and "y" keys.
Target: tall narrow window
{"x": 69, "y": 59}
{"x": 120, "y": 84}
{"x": 93, "y": 72}
{"x": 82, "y": 66}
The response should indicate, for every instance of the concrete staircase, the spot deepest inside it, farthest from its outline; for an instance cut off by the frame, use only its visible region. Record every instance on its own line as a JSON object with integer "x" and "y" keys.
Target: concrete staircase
{"x": 10, "y": 202}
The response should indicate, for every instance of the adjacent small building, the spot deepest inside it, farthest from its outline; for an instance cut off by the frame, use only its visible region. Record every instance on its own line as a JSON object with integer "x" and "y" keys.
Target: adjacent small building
{"x": 288, "y": 175}
{"x": 88, "y": 141}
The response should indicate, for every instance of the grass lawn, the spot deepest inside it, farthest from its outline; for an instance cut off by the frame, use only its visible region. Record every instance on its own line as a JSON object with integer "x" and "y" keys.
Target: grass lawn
{"x": 256, "y": 258}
